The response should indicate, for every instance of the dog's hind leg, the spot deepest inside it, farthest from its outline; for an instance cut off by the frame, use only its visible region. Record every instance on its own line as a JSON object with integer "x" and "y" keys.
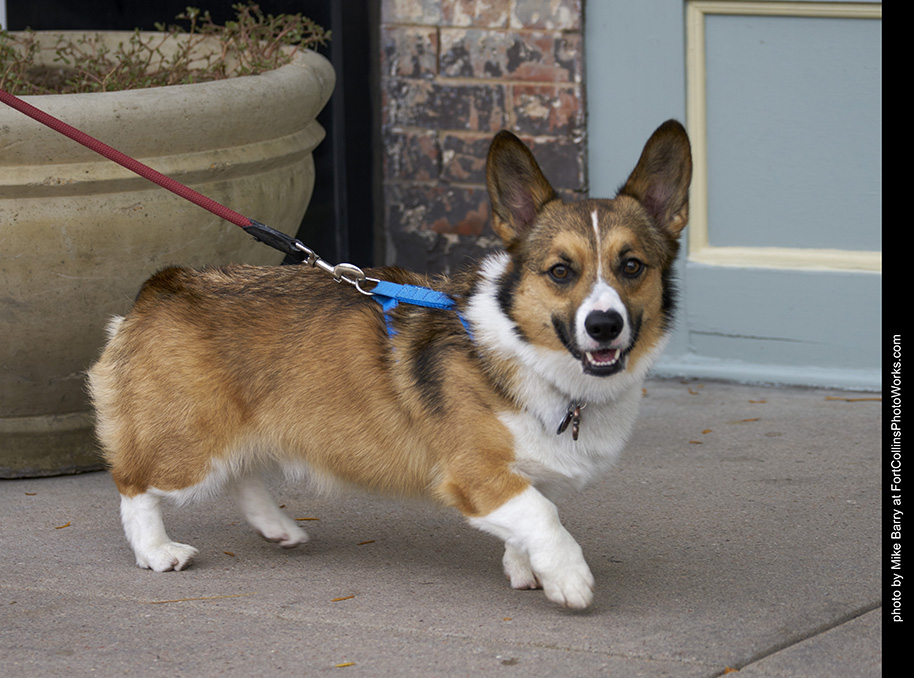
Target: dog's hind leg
{"x": 145, "y": 530}
{"x": 260, "y": 510}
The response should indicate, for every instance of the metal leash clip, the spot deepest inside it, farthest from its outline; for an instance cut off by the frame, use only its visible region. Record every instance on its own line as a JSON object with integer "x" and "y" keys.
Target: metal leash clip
{"x": 349, "y": 273}
{"x": 311, "y": 257}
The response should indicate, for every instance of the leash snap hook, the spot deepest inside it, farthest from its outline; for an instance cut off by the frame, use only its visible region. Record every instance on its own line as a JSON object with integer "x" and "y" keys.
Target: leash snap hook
{"x": 349, "y": 273}
{"x": 310, "y": 255}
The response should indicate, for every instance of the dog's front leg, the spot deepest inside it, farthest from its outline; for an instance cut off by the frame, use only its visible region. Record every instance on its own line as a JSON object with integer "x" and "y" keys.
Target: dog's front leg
{"x": 517, "y": 569}
{"x": 529, "y": 524}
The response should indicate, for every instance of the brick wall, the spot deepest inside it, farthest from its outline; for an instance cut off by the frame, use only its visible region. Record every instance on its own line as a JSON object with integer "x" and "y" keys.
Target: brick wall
{"x": 453, "y": 73}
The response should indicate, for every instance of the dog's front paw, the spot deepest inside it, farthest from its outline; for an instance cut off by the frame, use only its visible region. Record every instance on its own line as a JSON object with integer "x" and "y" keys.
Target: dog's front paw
{"x": 567, "y": 581}
{"x": 571, "y": 589}
{"x": 539, "y": 552}
{"x": 165, "y": 557}
{"x": 517, "y": 568}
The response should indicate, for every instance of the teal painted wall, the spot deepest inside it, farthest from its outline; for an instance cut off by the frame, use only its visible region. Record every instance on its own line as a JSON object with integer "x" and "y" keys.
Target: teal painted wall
{"x": 794, "y": 160}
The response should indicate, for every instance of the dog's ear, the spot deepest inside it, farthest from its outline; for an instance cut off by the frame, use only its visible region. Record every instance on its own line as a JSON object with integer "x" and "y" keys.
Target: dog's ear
{"x": 517, "y": 188}
{"x": 661, "y": 179}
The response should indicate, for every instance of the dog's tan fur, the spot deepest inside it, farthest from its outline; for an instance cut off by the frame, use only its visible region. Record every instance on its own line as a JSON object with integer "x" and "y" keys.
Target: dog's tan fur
{"x": 303, "y": 370}
{"x": 242, "y": 367}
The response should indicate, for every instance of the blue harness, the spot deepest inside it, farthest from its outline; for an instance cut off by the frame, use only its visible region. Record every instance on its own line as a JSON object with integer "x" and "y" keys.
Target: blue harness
{"x": 390, "y": 295}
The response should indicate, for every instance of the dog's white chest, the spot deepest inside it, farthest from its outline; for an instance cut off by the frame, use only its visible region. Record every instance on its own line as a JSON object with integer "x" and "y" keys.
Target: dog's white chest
{"x": 555, "y": 462}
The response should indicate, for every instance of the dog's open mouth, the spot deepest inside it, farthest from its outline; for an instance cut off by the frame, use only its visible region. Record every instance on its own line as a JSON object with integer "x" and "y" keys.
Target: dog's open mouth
{"x": 599, "y": 363}
{"x": 603, "y": 362}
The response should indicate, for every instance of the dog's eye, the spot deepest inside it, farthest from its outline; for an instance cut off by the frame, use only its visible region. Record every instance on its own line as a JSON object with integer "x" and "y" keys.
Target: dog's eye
{"x": 632, "y": 268}
{"x": 560, "y": 273}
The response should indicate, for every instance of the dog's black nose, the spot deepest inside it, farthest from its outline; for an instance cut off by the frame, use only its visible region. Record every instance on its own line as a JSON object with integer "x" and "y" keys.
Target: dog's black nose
{"x": 604, "y": 325}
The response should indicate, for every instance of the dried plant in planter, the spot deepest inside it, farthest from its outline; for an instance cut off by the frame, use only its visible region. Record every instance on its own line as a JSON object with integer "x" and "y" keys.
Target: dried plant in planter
{"x": 86, "y": 62}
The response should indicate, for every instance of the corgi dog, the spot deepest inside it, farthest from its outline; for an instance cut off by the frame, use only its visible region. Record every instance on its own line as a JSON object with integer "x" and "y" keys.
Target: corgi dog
{"x": 528, "y": 388}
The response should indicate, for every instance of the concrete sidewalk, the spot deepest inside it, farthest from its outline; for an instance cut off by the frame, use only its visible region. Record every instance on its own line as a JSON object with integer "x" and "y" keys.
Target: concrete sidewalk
{"x": 740, "y": 531}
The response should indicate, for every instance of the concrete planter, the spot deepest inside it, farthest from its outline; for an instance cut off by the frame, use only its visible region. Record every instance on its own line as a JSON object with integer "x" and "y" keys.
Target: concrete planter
{"x": 79, "y": 234}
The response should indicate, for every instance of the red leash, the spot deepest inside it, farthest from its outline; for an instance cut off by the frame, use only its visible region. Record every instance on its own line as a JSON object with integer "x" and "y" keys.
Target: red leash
{"x": 259, "y": 231}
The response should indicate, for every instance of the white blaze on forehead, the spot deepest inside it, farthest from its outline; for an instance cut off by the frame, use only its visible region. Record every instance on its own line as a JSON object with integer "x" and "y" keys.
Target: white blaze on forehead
{"x": 598, "y": 244}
